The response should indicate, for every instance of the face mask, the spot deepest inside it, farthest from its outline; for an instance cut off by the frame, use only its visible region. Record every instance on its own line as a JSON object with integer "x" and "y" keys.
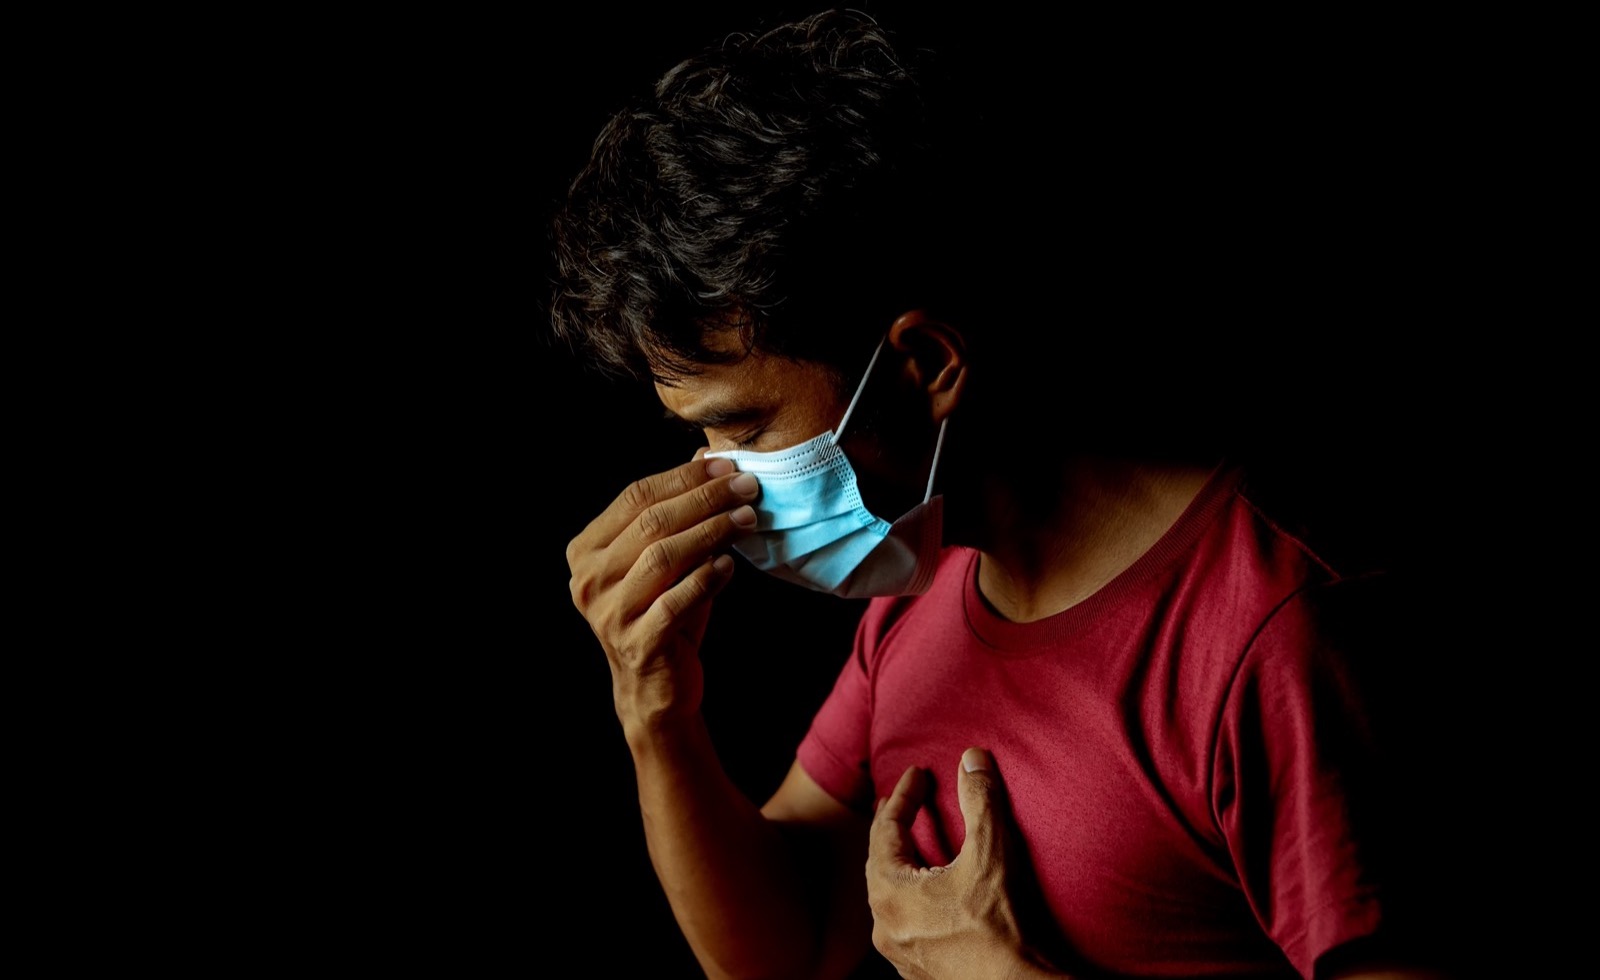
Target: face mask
{"x": 812, "y": 529}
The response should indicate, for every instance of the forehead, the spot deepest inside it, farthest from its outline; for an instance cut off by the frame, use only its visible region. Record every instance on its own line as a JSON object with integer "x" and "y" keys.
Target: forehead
{"x": 755, "y": 380}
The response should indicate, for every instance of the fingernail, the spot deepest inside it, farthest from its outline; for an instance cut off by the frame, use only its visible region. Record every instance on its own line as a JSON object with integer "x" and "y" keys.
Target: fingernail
{"x": 975, "y": 760}
{"x": 745, "y": 485}
{"x": 745, "y": 516}
{"x": 722, "y": 564}
{"x": 719, "y": 467}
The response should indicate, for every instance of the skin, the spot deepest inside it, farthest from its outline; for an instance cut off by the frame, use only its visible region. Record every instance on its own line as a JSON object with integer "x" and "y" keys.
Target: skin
{"x": 779, "y": 890}
{"x": 643, "y": 575}
{"x": 958, "y": 919}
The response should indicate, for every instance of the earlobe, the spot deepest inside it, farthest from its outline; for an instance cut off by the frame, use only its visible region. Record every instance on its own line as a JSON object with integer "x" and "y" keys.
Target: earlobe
{"x": 948, "y": 396}
{"x": 935, "y": 358}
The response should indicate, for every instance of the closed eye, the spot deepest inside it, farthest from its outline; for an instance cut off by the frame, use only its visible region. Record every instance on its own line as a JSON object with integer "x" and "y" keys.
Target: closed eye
{"x": 743, "y": 426}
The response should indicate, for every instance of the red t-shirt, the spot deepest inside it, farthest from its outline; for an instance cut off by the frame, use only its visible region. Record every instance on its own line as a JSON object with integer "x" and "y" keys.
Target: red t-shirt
{"x": 1184, "y": 751}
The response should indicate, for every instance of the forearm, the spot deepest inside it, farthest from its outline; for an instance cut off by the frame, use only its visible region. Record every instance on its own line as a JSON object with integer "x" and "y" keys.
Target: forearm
{"x": 728, "y": 873}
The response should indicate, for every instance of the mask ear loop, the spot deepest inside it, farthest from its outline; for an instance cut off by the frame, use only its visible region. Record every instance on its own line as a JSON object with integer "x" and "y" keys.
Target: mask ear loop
{"x": 938, "y": 447}
{"x": 838, "y": 433}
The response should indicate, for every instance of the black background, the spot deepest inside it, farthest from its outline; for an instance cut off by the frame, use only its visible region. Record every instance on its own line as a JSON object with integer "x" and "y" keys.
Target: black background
{"x": 428, "y": 763}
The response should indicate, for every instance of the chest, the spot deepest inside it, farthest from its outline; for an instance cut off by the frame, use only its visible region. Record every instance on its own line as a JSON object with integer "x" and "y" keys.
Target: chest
{"x": 1106, "y": 764}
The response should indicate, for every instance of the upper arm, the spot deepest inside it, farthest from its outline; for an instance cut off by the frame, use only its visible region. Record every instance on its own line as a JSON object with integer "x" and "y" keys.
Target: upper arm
{"x": 830, "y": 843}
{"x": 1320, "y": 810}
{"x": 801, "y": 800}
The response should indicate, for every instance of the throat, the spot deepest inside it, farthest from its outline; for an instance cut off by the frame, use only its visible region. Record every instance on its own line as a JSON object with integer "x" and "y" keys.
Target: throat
{"x": 1045, "y": 552}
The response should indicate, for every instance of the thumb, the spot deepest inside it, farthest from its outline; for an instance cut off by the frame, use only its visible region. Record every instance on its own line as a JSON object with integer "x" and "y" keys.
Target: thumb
{"x": 983, "y": 803}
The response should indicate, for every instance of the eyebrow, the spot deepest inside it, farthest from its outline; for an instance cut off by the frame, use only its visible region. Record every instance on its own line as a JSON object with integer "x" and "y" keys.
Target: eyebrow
{"x": 718, "y": 416}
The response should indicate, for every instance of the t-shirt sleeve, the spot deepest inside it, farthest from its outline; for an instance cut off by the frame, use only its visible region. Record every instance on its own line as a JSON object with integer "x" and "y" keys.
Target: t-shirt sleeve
{"x": 836, "y": 750}
{"x": 1304, "y": 785}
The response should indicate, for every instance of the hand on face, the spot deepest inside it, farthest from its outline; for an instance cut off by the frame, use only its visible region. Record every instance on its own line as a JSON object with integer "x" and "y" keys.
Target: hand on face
{"x": 644, "y": 573}
{"x": 955, "y": 921}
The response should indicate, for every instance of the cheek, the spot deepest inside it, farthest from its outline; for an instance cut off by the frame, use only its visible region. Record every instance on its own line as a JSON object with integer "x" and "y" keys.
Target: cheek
{"x": 890, "y": 482}
{"x": 800, "y": 420}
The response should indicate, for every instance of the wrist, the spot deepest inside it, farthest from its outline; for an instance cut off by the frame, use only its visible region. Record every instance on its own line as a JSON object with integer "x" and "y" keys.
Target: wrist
{"x": 647, "y": 712}
{"x": 659, "y": 733}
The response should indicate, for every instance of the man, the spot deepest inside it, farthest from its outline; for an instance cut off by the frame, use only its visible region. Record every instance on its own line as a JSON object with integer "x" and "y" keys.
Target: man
{"x": 1106, "y": 714}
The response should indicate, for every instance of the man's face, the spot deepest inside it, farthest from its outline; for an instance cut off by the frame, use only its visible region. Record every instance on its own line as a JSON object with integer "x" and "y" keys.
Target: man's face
{"x": 763, "y": 402}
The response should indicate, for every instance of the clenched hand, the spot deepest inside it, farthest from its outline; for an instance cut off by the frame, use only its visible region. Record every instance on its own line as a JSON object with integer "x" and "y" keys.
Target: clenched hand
{"x": 955, "y": 922}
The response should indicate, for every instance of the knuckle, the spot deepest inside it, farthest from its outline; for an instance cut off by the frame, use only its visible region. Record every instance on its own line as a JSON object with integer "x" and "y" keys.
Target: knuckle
{"x": 711, "y": 533}
{"x": 615, "y": 642}
{"x": 709, "y": 496}
{"x": 636, "y": 495}
{"x": 671, "y": 606}
{"x": 880, "y": 939}
{"x": 650, "y": 523}
{"x": 685, "y": 479}
{"x": 656, "y": 560}
{"x": 675, "y": 602}
{"x": 585, "y": 592}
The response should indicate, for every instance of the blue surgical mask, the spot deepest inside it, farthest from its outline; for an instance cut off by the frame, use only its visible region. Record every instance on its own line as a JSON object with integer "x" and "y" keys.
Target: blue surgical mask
{"x": 813, "y": 530}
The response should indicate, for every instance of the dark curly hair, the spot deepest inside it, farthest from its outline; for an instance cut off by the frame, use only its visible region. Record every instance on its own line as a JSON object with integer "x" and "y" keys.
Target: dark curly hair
{"x": 788, "y": 185}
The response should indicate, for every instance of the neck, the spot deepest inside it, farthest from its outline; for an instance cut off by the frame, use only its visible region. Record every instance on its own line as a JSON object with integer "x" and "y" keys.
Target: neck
{"x": 1051, "y": 538}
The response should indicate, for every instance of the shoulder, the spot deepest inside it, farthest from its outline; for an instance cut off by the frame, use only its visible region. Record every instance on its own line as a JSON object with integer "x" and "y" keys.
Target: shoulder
{"x": 1341, "y": 593}
{"x": 1235, "y": 567}
{"x": 1339, "y": 611}
{"x": 1345, "y": 517}
{"x": 1279, "y": 553}
{"x": 1271, "y": 597}
{"x": 939, "y": 608}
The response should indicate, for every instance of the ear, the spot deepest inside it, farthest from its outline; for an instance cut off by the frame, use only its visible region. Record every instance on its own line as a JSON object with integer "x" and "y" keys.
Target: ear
{"x": 936, "y": 359}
